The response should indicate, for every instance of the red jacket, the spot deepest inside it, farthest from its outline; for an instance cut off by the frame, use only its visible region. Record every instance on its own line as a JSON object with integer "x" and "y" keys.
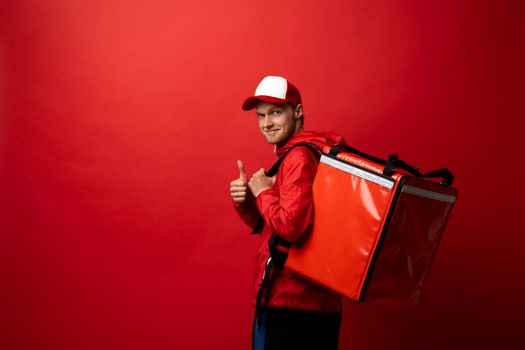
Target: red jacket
{"x": 287, "y": 210}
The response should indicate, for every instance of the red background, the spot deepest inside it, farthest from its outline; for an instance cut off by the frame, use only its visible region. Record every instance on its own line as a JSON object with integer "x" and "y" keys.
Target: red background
{"x": 121, "y": 124}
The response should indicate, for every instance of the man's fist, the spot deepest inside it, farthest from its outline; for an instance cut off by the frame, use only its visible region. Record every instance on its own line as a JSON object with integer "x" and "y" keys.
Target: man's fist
{"x": 260, "y": 182}
{"x": 239, "y": 187}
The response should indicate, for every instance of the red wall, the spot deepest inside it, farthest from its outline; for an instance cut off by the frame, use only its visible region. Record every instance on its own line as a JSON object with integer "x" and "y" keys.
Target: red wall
{"x": 121, "y": 124}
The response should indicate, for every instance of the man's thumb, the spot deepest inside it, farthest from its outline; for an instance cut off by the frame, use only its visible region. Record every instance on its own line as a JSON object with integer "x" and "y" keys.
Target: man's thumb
{"x": 242, "y": 171}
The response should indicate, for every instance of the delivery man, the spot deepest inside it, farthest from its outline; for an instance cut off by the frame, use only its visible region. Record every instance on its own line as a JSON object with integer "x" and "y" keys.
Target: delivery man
{"x": 292, "y": 313}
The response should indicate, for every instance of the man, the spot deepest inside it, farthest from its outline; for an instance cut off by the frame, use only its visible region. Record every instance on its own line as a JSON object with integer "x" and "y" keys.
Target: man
{"x": 293, "y": 313}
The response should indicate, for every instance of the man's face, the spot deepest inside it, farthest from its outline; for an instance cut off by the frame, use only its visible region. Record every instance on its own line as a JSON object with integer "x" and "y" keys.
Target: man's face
{"x": 278, "y": 122}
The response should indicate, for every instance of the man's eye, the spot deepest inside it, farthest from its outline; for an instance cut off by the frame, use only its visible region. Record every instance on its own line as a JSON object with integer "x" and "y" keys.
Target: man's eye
{"x": 276, "y": 112}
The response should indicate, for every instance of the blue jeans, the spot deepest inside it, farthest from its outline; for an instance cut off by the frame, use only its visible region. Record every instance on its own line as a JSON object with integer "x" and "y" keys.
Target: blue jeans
{"x": 285, "y": 329}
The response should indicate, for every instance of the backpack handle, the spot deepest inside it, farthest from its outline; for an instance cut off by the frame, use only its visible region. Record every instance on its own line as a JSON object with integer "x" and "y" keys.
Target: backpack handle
{"x": 394, "y": 162}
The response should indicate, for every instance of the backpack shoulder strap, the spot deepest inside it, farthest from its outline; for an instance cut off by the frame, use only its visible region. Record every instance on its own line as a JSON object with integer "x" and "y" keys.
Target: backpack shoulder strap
{"x": 275, "y": 167}
{"x": 278, "y": 246}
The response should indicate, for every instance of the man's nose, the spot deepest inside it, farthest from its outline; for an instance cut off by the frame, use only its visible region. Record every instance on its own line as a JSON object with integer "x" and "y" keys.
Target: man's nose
{"x": 268, "y": 121}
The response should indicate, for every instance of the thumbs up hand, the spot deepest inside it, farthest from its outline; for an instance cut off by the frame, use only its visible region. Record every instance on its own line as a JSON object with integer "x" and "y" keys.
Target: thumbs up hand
{"x": 242, "y": 171}
{"x": 239, "y": 187}
{"x": 260, "y": 182}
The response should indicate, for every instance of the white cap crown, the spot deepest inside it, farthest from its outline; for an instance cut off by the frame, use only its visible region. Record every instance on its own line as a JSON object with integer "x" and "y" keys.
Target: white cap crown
{"x": 272, "y": 86}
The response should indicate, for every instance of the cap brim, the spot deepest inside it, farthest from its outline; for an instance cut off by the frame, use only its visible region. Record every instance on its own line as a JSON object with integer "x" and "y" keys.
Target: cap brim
{"x": 252, "y": 102}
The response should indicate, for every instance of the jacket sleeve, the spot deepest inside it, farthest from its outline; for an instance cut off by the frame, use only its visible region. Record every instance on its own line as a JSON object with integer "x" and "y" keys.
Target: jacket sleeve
{"x": 248, "y": 212}
{"x": 289, "y": 212}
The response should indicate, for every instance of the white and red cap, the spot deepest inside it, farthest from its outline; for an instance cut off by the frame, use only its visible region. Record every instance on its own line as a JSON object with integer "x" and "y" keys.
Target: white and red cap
{"x": 273, "y": 90}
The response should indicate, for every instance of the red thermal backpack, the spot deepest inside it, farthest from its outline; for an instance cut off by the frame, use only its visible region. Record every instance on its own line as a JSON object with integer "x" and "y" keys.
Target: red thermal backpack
{"x": 376, "y": 229}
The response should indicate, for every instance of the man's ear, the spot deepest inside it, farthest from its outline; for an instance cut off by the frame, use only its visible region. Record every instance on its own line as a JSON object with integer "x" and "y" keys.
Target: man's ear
{"x": 298, "y": 111}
